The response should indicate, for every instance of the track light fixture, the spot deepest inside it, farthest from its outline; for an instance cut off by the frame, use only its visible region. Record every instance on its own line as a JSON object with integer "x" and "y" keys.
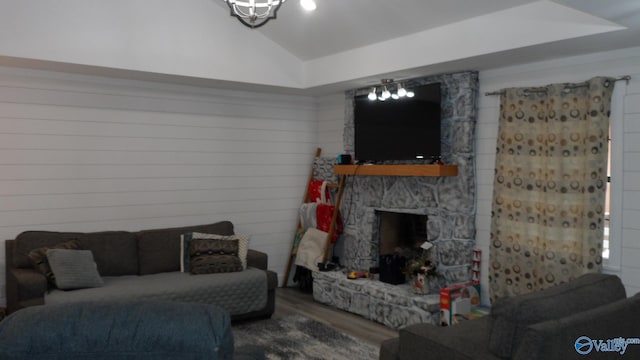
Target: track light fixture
{"x": 390, "y": 89}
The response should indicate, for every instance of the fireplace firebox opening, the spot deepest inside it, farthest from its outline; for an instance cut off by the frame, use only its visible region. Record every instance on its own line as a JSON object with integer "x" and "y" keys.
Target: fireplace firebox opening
{"x": 401, "y": 233}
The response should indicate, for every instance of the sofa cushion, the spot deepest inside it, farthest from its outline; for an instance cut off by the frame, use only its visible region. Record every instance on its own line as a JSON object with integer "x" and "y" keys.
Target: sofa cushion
{"x": 115, "y": 252}
{"x": 117, "y": 330}
{"x": 208, "y": 256}
{"x": 40, "y": 261}
{"x": 158, "y": 250}
{"x": 237, "y": 292}
{"x": 513, "y": 315}
{"x": 74, "y": 269}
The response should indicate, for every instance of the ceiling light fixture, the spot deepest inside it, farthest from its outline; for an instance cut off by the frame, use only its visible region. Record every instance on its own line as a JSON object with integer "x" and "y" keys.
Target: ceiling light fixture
{"x": 402, "y": 92}
{"x": 308, "y": 5}
{"x": 372, "y": 95}
{"x": 254, "y": 13}
{"x": 386, "y": 93}
{"x": 390, "y": 89}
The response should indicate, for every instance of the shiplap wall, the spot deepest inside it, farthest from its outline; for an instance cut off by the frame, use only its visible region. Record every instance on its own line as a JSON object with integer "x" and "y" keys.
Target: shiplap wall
{"x": 627, "y": 116}
{"x": 80, "y": 153}
{"x": 331, "y": 124}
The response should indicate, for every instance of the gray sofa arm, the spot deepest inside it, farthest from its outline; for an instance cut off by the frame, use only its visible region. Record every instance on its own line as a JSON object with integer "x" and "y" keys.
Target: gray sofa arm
{"x": 556, "y": 339}
{"x": 467, "y": 340}
{"x": 25, "y": 287}
{"x": 257, "y": 259}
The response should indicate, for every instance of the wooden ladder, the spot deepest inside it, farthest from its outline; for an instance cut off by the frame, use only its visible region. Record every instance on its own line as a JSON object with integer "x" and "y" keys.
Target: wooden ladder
{"x": 334, "y": 220}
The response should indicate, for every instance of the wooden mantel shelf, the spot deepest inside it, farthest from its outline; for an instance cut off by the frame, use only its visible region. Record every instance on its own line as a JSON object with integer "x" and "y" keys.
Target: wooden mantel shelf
{"x": 397, "y": 170}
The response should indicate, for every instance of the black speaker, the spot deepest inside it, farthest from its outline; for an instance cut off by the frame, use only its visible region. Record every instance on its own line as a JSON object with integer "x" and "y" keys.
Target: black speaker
{"x": 391, "y": 267}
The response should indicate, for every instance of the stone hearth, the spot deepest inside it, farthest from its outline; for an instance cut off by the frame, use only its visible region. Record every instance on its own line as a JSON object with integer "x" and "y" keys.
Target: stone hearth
{"x": 395, "y": 306}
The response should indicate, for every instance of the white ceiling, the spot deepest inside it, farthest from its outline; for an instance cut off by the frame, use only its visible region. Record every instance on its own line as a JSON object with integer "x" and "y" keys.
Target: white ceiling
{"x": 341, "y": 25}
{"x": 344, "y": 44}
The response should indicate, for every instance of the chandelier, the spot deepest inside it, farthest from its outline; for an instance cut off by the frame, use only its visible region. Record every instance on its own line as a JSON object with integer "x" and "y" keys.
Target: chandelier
{"x": 254, "y": 13}
{"x": 389, "y": 89}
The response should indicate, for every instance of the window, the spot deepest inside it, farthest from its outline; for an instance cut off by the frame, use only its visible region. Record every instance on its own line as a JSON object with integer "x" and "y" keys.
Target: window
{"x": 607, "y": 206}
{"x": 612, "y": 242}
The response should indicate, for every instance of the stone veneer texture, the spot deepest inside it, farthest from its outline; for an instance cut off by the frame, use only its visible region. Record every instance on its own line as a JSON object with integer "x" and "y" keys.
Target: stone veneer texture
{"x": 449, "y": 202}
{"x": 395, "y": 306}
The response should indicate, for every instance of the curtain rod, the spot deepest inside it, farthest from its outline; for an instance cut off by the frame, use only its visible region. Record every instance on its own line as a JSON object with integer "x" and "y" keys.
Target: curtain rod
{"x": 533, "y": 89}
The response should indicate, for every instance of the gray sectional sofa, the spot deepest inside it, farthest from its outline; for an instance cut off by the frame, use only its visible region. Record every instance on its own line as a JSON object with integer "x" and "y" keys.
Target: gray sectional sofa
{"x": 143, "y": 265}
{"x": 561, "y": 322}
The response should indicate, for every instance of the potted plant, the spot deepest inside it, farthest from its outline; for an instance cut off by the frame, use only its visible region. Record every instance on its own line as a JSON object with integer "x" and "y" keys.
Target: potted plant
{"x": 422, "y": 273}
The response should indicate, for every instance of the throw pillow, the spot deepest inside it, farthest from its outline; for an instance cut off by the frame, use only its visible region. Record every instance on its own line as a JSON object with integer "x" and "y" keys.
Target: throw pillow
{"x": 74, "y": 269}
{"x": 214, "y": 256}
{"x": 185, "y": 239}
{"x": 39, "y": 260}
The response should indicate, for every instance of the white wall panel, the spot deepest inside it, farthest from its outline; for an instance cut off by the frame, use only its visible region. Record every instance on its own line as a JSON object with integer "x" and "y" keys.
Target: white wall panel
{"x": 331, "y": 124}
{"x": 628, "y": 237}
{"x": 632, "y": 123}
{"x": 90, "y": 154}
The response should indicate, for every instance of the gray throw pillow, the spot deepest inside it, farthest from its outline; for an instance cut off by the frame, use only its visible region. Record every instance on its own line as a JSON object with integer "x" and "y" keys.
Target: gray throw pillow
{"x": 74, "y": 269}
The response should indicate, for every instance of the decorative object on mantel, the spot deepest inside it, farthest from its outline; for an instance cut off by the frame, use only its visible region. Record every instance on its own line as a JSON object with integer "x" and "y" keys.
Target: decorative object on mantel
{"x": 386, "y": 88}
{"x": 255, "y": 13}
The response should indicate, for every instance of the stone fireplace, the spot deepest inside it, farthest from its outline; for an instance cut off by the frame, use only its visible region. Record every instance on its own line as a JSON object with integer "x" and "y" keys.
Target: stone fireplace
{"x": 447, "y": 202}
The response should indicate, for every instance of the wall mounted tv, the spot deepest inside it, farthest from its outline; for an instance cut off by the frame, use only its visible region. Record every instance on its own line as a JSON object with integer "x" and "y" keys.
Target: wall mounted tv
{"x": 403, "y": 129}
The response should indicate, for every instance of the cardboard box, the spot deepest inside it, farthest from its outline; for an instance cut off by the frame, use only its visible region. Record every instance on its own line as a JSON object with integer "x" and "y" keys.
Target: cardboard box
{"x": 457, "y": 302}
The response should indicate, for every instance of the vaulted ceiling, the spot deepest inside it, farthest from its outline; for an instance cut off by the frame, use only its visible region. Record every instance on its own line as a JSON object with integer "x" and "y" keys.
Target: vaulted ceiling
{"x": 343, "y": 44}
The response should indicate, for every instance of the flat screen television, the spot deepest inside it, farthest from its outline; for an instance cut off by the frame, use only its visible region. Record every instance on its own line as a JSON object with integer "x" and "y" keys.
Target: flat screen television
{"x": 403, "y": 129}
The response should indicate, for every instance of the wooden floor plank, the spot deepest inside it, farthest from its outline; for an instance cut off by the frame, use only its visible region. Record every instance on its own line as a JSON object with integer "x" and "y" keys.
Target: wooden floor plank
{"x": 290, "y": 301}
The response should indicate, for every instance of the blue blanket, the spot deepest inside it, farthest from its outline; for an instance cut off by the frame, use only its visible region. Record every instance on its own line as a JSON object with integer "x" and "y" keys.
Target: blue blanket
{"x": 118, "y": 330}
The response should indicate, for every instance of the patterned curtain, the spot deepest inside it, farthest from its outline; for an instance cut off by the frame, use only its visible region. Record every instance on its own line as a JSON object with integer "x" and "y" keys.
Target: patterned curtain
{"x": 549, "y": 186}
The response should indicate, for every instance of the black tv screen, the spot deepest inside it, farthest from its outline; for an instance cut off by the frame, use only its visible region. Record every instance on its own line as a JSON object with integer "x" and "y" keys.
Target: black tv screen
{"x": 403, "y": 129}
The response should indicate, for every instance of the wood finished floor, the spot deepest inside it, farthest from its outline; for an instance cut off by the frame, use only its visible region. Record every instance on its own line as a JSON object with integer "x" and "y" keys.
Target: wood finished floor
{"x": 290, "y": 301}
